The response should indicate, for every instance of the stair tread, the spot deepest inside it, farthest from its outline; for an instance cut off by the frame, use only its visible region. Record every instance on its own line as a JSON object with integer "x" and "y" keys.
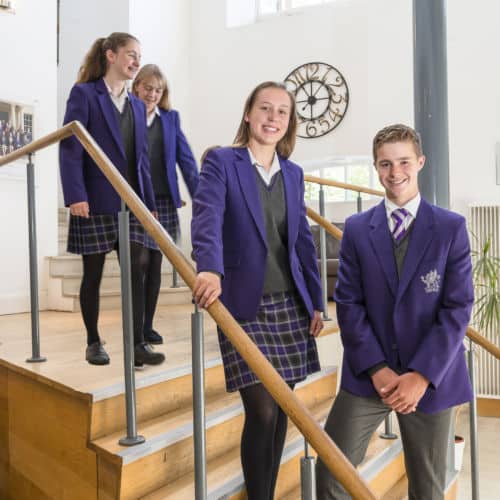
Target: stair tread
{"x": 227, "y": 468}
{"x": 111, "y": 293}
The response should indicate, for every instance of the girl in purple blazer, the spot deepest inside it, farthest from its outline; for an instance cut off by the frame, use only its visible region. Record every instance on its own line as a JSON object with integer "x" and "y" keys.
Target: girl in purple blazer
{"x": 253, "y": 246}
{"x": 168, "y": 147}
{"x": 117, "y": 122}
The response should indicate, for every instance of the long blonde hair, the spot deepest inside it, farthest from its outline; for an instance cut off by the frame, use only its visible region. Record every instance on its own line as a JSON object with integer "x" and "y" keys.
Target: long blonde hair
{"x": 95, "y": 64}
{"x": 153, "y": 71}
{"x": 287, "y": 143}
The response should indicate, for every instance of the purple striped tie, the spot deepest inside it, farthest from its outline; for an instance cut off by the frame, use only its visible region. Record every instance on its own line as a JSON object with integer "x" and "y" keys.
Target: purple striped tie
{"x": 398, "y": 216}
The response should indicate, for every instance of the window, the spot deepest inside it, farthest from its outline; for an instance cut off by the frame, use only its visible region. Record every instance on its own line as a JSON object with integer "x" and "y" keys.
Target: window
{"x": 28, "y": 123}
{"x": 241, "y": 12}
{"x": 352, "y": 170}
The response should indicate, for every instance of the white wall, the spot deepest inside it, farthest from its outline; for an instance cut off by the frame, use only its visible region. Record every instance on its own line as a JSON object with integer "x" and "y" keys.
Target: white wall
{"x": 28, "y": 76}
{"x": 474, "y": 101}
{"x": 370, "y": 42}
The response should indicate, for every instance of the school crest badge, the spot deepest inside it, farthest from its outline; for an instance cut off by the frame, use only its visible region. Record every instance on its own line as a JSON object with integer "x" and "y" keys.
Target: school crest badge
{"x": 431, "y": 281}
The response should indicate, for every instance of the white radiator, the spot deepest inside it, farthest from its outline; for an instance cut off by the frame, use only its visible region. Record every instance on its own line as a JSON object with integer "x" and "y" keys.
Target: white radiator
{"x": 484, "y": 222}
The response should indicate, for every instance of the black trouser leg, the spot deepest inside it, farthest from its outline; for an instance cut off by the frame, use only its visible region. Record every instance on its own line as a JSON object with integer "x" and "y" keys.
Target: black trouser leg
{"x": 89, "y": 293}
{"x": 152, "y": 285}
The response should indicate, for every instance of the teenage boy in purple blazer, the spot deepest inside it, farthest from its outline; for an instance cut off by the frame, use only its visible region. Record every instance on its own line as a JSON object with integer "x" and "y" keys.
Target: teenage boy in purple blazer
{"x": 404, "y": 297}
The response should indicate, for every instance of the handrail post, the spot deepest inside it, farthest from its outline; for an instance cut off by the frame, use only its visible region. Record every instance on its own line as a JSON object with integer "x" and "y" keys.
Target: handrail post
{"x": 359, "y": 203}
{"x": 35, "y": 319}
{"x": 307, "y": 475}
{"x": 175, "y": 281}
{"x": 198, "y": 364}
{"x": 322, "y": 252}
{"x": 388, "y": 433}
{"x": 474, "y": 466}
{"x": 132, "y": 437}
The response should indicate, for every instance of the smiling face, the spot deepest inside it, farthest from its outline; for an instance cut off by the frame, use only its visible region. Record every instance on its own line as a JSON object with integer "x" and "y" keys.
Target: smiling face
{"x": 150, "y": 91}
{"x": 269, "y": 117}
{"x": 125, "y": 62}
{"x": 398, "y": 165}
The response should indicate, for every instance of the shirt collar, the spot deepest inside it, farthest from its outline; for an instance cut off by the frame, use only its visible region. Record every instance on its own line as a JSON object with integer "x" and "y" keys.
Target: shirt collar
{"x": 118, "y": 100}
{"x": 266, "y": 176}
{"x": 152, "y": 116}
{"x": 411, "y": 206}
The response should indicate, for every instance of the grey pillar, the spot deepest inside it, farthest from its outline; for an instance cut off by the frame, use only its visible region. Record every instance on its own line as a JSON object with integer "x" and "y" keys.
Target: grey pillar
{"x": 431, "y": 97}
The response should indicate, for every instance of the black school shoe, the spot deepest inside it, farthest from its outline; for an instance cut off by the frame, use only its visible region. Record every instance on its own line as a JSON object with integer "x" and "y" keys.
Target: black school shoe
{"x": 153, "y": 337}
{"x": 96, "y": 355}
{"x": 144, "y": 355}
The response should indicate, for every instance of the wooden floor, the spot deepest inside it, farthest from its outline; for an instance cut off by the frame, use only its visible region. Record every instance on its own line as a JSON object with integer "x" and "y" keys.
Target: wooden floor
{"x": 63, "y": 343}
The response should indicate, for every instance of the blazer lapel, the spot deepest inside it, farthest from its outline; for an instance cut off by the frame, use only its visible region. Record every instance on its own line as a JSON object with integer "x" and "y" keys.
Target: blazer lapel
{"x": 292, "y": 206}
{"x": 246, "y": 177}
{"x": 381, "y": 240}
{"x": 139, "y": 113}
{"x": 109, "y": 113}
{"x": 168, "y": 136}
{"x": 420, "y": 238}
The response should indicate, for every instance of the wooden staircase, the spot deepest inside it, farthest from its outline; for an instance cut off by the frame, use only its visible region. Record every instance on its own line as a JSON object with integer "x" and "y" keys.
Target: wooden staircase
{"x": 61, "y": 442}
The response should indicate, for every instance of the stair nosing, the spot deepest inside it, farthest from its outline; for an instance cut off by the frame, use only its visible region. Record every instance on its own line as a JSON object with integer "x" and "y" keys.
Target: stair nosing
{"x": 117, "y": 389}
{"x": 156, "y": 443}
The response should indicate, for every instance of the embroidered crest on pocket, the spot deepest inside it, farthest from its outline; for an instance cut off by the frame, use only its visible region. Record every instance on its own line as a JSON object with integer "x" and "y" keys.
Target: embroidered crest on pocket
{"x": 431, "y": 281}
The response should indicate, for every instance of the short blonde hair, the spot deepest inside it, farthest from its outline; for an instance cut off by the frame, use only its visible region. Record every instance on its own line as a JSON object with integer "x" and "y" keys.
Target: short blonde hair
{"x": 153, "y": 71}
{"x": 287, "y": 143}
{"x": 397, "y": 133}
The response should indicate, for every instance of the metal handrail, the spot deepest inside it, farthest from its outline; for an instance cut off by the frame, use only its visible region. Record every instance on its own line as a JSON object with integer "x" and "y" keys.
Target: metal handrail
{"x": 284, "y": 396}
{"x": 342, "y": 185}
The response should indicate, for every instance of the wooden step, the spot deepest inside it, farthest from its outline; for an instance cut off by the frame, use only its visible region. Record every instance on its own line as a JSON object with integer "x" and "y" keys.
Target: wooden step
{"x": 224, "y": 475}
{"x": 167, "y": 454}
{"x": 159, "y": 394}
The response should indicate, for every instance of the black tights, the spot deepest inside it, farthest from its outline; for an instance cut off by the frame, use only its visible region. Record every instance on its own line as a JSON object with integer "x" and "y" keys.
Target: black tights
{"x": 152, "y": 283}
{"x": 262, "y": 441}
{"x": 89, "y": 291}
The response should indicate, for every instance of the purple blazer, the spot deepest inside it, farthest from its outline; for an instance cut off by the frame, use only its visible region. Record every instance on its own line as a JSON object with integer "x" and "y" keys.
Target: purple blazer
{"x": 82, "y": 180}
{"x": 416, "y": 323}
{"x": 229, "y": 235}
{"x": 177, "y": 151}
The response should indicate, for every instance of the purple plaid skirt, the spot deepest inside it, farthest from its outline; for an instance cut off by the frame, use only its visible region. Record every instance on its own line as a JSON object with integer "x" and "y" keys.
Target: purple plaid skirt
{"x": 167, "y": 215}
{"x": 281, "y": 332}
{"x": 99, "y": 233}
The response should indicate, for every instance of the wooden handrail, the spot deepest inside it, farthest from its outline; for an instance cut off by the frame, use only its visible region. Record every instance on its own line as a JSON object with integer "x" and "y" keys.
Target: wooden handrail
{"x": 482, "y": 341}
{"x": 342, "y": 185}
{"x": 285, "y": 397}
{"x": 476, "y": 337}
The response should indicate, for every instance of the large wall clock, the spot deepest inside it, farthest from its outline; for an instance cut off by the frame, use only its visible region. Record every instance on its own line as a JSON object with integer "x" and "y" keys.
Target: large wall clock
{"x": 322, "y": 98}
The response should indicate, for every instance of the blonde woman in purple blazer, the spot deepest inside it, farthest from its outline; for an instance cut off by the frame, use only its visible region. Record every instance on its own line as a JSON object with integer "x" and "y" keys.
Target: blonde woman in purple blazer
{"x": 168, "y": 148}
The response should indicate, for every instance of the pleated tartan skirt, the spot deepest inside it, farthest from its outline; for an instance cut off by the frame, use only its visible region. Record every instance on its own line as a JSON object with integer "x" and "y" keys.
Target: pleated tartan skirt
{"x": 281, "y": 332}
{"x": 167, "y": 215}
{"x": 99, "y": 233}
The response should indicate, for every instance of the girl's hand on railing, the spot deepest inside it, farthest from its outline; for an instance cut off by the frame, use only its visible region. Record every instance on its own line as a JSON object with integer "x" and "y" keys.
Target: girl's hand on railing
{"x": 206, "y": 288}
{"x": 80, "y": 209}
{"x": 316, "y": 324}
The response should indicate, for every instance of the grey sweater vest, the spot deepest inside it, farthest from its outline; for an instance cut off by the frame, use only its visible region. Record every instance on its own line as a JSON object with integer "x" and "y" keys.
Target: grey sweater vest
{"x": 278, "y": 277}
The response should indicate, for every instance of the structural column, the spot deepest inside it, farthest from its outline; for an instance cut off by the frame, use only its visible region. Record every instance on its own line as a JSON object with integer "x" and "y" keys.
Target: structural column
{"x": 431, "y": 97}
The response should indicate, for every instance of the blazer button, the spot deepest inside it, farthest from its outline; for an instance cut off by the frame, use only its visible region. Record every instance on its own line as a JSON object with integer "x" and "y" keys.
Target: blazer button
{"x": 394, "y": 347}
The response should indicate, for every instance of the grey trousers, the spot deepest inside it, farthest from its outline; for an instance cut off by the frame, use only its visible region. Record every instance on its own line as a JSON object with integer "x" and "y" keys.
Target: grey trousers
{"x": 354, "y": 419}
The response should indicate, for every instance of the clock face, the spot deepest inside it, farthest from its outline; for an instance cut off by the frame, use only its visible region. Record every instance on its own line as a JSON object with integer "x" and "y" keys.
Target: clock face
{"x": 321, "y": 96}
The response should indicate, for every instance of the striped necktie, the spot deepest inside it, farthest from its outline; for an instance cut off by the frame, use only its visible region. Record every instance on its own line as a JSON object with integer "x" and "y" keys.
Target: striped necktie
{"x": 399, "y": 216}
